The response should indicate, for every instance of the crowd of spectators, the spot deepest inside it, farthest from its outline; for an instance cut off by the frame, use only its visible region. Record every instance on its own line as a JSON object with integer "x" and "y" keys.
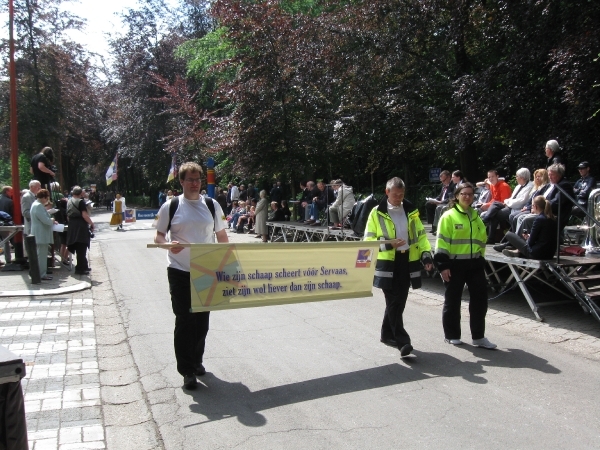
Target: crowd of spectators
{"x": 511, "y": 216}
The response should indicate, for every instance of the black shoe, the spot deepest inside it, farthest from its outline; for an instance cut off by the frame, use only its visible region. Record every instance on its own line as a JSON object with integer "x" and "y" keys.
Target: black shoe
{"x": 434, "y": 231}
{"x": 190, "y": 382}
{"x": 389, "y": 342}
{"x": 405, "y": 350}
{"x": 501, "y": 247}
{"x": 49, "y": 272}
{"x": 200, "y": 370}
{"x": 82, "y": 272}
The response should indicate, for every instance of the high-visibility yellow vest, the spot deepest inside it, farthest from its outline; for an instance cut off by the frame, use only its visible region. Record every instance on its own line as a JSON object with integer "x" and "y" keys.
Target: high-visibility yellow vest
{"x": 380, "y": 226}
{"x": 460, "y": 235}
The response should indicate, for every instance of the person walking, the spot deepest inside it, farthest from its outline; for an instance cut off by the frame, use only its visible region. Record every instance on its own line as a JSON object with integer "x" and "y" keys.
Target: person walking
{"x": 194, "y": 220}
{"x": 460, "y": 258}
{"x": 118, "y": 212}
{"x": 399, "y": 263}
{"x": 41, "y": 228}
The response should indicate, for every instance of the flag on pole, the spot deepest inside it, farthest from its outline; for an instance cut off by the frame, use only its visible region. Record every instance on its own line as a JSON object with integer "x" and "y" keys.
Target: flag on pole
{"x": 111, "y": 173}
{"x": 172, "y": 170}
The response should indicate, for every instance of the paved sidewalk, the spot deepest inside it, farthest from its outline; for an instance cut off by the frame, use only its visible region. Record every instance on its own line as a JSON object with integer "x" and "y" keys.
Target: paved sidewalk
{"x": 83, "y": 390}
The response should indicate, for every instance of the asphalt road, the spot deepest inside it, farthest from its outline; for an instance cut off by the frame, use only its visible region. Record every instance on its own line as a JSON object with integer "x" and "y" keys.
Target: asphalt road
{"x": 315, "y": 376}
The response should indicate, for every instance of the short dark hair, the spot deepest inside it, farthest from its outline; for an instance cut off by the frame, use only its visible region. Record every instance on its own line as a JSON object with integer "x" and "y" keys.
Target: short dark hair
{"x": 48, "y": 153}
{"x": 454, "y": 200}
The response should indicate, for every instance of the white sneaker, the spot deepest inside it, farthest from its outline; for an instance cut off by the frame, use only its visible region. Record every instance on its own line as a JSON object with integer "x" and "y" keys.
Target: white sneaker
{"x": 453, "y": 341}
{"x": 484, "y": 343}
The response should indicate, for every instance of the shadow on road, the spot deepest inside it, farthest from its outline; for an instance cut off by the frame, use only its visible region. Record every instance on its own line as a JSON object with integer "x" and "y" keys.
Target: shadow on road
{"x": 218, "y": 399}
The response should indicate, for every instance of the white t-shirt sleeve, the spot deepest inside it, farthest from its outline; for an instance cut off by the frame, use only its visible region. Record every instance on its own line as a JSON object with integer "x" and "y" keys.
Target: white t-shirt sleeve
{"x": 163, "y": 217}
{"x": 219, "y": 216}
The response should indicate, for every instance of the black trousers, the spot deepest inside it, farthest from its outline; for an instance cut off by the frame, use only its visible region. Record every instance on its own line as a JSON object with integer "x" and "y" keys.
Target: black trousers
{"x": 430, "y": 212}
{"x": 519, "y": 243}
{"x": 395, "y": 302}
{"x": 190, "y": 328}
{"x": 81, "y": 252}
{"x": 471, "y": 272}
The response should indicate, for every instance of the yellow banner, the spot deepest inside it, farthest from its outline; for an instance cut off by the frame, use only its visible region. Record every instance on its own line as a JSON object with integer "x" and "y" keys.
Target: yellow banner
{"x": 227, "y": 276}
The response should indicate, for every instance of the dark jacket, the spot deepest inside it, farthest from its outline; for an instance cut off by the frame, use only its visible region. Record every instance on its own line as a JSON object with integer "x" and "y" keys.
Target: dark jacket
{"x": 534, "y": 194}
{"x": 445, "y": 196}
{"x": 582, "y": 189}
{"x": 326, "y": 197}
{"x": 556, "y": 197}
{"x": 277, "y": 216}
{"x": 556, "y": 159}
{"x": 542, "y": 240}
{"x": 6, "y": 204}
{"x": 222, "y": 201}
{"x": 306, "y": 196}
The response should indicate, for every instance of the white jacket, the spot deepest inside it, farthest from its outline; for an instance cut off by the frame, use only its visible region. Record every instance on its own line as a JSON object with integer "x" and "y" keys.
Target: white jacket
{"x": 345, "y": 198}
{"x": 522, "y": 197}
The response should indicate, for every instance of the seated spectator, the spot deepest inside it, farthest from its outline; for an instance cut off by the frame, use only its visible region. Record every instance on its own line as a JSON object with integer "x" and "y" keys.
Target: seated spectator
{"x": 234, "y": 206}
{"x": 582, "y": 188}
{"x": 276, "y": 214}
{"x": 320, "y": 202}
{"x": 286, "y": 210}
{"x": 556, "y": 198}
{"x": 541, "y": 183}
{"x": 311, "y": 191}
{"x": 240, "y": 211}
{"x": 500, "y": 212}
{"x": 500, "y": 191}
{"x": 442, "y": 199}
{"x": 541, "y": 242}
{"x": 342, "y": 205}
{"x": 245, "y": 219}
{"x": 484, "y": 195}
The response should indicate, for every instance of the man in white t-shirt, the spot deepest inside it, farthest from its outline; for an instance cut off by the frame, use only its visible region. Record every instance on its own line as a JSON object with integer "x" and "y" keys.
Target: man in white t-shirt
{"x": 193, "y": 222}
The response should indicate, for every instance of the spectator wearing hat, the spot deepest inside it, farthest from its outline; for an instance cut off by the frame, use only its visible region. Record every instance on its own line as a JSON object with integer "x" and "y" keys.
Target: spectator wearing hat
{"x": 552, "y": 153}
{"x": 583, "y": 187}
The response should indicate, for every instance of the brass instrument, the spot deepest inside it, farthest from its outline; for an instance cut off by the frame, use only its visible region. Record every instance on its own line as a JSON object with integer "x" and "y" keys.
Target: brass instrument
{"x": 592, "y": 235}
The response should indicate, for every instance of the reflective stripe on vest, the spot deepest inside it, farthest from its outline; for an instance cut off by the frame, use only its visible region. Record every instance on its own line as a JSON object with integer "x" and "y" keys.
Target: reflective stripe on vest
{"x": 382, "y": 274}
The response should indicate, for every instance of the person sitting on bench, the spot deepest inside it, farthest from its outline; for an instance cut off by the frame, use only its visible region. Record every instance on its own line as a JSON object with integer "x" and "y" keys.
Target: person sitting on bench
{"x": 541, "y": 242}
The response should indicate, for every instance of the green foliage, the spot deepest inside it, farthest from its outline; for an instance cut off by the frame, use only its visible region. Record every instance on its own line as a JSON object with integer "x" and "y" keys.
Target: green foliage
{"x": 6, "y": 171}
{"x": 139, "y": 201}
{"x": 202, "y": 54}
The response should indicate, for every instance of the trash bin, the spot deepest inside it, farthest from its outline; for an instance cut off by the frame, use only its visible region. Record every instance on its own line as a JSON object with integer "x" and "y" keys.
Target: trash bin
{"x": 13, "y": 428}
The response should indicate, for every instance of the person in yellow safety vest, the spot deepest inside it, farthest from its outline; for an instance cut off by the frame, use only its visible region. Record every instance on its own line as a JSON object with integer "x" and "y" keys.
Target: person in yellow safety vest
{"x": 460, "y": 258}
{"x": 399, "y": 263}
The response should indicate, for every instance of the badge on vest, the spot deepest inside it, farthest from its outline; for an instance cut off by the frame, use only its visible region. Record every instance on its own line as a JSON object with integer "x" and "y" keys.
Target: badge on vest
{"x": 458, "y": 226}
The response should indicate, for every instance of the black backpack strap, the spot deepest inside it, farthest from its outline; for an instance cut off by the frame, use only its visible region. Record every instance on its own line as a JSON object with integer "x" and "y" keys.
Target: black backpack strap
{"x": 172, "y": 210}
{"x": 175, "y": 204}
{"x": 211, "y": 205}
